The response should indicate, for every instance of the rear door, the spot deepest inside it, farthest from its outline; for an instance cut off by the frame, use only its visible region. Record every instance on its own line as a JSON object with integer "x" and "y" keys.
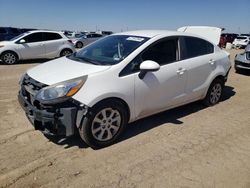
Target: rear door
{"x": 53, "y": 42}
{"x": 198, "y": 59}
{"x": 33, "y": 47}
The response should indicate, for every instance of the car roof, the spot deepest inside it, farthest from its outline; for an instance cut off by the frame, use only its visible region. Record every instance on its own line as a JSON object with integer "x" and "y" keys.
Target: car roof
{"x": 153, "y": 33}
{"x": 50, "y": 31}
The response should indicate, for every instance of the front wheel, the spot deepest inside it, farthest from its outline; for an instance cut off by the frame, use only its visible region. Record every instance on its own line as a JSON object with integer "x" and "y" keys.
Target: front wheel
{"x": 103, "y": 124}
{"x": 9, "y": 58}
{"x": 214, "y": 93}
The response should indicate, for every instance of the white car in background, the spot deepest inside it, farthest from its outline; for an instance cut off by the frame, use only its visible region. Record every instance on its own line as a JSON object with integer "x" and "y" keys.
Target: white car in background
{"x": 241, "y": 41}
{"x": 85, "y": 39}
{"x": 36, "y": 44}
{"x": 242, "y": 60}
{"x": 122, "y": 78}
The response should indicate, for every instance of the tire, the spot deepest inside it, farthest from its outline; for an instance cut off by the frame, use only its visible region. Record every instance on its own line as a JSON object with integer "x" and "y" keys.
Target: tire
{"x": 214, "y": 92}
{"x": 65, "y": 52}
{"x": 79, "y": 45}
{"x": 9, "y": 58}
{"x": 99, "y": 131}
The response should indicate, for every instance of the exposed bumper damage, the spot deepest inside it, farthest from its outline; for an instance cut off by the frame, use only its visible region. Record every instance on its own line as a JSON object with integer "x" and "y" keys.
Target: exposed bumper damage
{"x": 57, "y": 119}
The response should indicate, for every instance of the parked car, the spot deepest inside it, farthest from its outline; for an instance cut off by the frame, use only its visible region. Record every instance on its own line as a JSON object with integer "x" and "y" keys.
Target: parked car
{"x": 83, "y": 40}
{"x": 35, "y": 45}
{"x": 122, "y": 78}
{"x": 227, "y": 37}
{"x": 241, "y": 41}
{"x": 7, "y": 33}
{"x": 242, "y": 61}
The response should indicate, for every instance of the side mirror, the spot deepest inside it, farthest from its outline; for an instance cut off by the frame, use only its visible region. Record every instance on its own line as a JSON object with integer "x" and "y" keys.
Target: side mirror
{"x": 22, "y": 41}
{"x": 148, "y": 66}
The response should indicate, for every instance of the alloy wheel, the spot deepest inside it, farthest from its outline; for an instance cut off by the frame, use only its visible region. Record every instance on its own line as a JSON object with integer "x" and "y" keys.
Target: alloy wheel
{"x": 106, "y": 124}
{"x": 215, "y": 93}
{"x": 9, "y": 58}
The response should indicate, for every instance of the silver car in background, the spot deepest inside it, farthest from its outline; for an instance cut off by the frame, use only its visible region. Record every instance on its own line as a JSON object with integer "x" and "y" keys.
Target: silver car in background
{"x": 83, "y": 40}
{"x": 242, "y": 61}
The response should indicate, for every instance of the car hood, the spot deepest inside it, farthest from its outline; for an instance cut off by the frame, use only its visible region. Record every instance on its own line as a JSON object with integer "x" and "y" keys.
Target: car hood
{"x": 62, "y": 69}
{"x": 212, "y": 34}
{"x": 5, "y": 42}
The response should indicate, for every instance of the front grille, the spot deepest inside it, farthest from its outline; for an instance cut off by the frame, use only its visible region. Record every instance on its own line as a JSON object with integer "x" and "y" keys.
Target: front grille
{"x": 243, "y": 64}
{"x": 29, "y": 88}
{"x": 248, "y": 55}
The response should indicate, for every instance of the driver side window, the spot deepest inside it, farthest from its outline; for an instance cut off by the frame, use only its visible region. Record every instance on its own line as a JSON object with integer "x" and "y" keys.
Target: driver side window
{"x": 34, "y": 37}
{"x": 163, "y": 52}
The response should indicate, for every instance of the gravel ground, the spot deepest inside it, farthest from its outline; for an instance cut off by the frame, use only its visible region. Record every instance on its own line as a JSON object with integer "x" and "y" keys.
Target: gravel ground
{"x": 190, "y": 146}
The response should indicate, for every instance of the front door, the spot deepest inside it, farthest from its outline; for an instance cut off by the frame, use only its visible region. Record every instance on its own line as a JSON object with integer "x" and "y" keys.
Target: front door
{"x": 164, "y": 88}
{"x": 33, "y": 47}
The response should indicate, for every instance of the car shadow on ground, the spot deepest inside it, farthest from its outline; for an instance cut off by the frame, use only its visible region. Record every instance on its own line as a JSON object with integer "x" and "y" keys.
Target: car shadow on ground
{"x": 244, "y": 72}
{"x": 33, "y": 61}
{"x": 145, "y": 124}
{"x": 170, "y": 116}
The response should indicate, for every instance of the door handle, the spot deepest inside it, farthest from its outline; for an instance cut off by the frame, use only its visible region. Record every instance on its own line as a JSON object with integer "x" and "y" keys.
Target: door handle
{"x": 181, "y": 71}
{"x": 211, "y": 61}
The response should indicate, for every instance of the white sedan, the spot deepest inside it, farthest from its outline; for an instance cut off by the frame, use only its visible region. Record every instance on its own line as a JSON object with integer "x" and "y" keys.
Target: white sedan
{"x": 36, "y": 44}
{"x": 120, "y": 79}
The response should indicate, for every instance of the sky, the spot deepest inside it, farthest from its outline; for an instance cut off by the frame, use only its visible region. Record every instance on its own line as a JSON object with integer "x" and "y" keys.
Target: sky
{"x": 115, "y": 15}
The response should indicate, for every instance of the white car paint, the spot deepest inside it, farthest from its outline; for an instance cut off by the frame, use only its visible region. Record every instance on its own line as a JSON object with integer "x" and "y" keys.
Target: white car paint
{"x": 212, "y": 34}
{"x": 172, "y": 85}
{"x": 241, "y": 41}
{"x": 36, "y": 50}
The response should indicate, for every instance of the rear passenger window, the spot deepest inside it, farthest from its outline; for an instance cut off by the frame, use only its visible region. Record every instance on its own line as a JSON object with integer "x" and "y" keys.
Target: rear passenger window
{"x": 52, "y": 36}
{"x": 163, "y": 52}
{"x": 193, "y": 47}
{"x": 35, "y": 37}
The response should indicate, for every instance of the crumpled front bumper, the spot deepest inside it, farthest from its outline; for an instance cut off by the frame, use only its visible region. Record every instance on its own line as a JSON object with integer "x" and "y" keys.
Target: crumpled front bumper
{"x": 58, "y": 119}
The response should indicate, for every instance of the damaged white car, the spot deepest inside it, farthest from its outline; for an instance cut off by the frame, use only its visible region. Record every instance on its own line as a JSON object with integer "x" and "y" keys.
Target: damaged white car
{"x": 122, "y": 78}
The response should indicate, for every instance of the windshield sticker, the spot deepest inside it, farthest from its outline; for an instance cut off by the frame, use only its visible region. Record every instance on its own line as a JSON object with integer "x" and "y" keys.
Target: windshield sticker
{"x": 136, "y": 39}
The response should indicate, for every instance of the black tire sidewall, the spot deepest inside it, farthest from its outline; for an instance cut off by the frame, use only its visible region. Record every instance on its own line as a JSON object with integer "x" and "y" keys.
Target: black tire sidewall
{"x": 85, "y": 127}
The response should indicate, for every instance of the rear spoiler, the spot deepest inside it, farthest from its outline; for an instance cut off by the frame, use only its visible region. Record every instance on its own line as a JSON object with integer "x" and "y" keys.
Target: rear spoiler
{"x": 212, "y": 34}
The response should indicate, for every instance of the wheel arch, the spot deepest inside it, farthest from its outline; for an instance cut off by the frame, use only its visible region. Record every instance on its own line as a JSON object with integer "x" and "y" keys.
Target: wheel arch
{"x": 219, "y": 76}
{"x": 116, "y": 99}
{"x": 18, "y": 56}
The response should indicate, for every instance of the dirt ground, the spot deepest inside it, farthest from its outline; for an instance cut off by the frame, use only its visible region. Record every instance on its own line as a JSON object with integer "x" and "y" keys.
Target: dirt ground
{"x": 191, "y": 146}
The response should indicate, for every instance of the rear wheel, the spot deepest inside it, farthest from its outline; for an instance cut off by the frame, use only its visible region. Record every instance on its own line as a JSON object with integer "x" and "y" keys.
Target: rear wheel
{"x": 9, "y": 58}
{"x": 104, "y": 124}
{"x": 79, "y": 45}
{"x": 214, "y": 92}
{"x": 66, "y": 52}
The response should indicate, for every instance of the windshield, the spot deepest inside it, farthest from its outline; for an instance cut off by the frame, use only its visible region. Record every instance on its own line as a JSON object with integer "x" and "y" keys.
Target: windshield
{"x": 110, "y": 50}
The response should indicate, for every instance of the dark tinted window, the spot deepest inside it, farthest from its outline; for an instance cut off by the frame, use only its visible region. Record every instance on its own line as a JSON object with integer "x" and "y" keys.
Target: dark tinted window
{"x": 96, "y": 35}
{"x": 194, "y": 47}
{"x": 52, "y": 36}
{"x": 2, "y": 30}
{"x": 163, "y": 52}
{"x": 35, "y": 37}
